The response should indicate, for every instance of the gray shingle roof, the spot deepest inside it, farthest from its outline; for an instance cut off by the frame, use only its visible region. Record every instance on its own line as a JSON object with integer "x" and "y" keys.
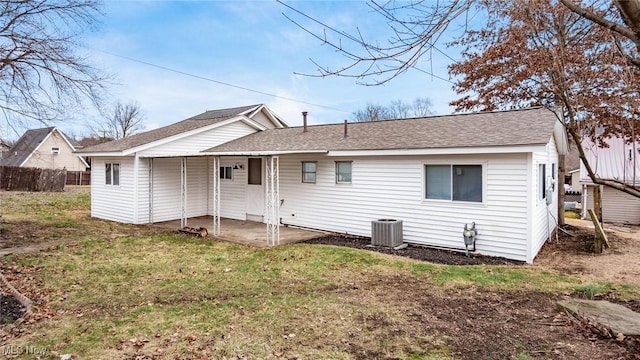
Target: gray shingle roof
{"x": 27, "y": 143}
{"x": 192, "y": 123}
{"x": 501, "y": 128}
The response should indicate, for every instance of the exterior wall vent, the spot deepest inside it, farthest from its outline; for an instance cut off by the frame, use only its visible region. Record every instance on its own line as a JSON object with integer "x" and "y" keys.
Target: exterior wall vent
{"x": 55, "y": 150}
{"x": 386, "y": 232}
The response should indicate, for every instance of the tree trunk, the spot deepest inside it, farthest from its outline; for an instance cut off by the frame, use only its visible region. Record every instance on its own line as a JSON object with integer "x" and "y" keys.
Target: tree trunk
{"x": 597, "y": 203}
{"x": 560, "y": 185}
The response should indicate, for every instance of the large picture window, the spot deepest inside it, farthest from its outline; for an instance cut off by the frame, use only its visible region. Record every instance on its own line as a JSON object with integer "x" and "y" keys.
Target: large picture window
{"x": 112, "y": 173}
{"x": 309, "y": 171}
{"x": 453, "y": 182}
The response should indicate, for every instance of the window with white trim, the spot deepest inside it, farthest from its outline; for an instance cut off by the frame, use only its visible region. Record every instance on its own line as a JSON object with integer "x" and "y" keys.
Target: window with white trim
{"x": 309, "y": 169}
{"x": 112, "y": 173}
{"x": 453, "y": 182}
{"x": 542, "y": 170}
{"x": 226, "y": 172}
{"x": 343, "y": 172}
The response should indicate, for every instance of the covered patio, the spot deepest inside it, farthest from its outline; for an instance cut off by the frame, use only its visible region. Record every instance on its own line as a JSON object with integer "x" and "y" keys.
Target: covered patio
{"x": 250, "y": 233}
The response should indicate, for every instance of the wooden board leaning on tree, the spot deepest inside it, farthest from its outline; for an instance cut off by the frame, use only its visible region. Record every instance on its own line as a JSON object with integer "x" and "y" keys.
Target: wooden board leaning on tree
{"x": 601, "y": 237}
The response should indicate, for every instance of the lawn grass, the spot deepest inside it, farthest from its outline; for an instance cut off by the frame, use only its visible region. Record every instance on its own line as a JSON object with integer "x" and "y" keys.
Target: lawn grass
{"x": 176, "y": 296}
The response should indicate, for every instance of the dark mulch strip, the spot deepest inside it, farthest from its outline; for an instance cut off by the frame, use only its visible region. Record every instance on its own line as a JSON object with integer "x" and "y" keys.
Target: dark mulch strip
{"x": 417, "y": 252}
{"x": 10, "y": 309}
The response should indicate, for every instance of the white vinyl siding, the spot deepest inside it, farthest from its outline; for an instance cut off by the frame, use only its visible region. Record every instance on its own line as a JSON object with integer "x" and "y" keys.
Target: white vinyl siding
{"x": 202, "y": 141}
{"x": 617, "y": 207}
{"x": 167, "y": 192}
{"x": 143, "y": 191}
{"x": 110, "y": 202}
{"x": 544, "y": 216}
{"x": 393, "y": 187}
{"x": 263, "y": 120}
{"x": 233, "y": 193}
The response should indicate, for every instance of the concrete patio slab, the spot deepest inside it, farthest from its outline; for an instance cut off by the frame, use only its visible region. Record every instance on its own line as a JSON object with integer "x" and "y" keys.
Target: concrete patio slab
{"x": 617, "y": 318}
{"x": 244, "y": 232}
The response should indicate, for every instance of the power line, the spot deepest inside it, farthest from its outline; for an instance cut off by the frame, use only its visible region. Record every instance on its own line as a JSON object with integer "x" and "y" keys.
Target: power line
{"x": 217, "y": 81}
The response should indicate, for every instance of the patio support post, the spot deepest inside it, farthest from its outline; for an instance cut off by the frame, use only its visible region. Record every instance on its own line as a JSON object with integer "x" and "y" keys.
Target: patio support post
{"x": 183, "y": 192}
{"x": 150, "y": 190}
{"x": 272, "y": 200}
{"x": 215, "y": 196}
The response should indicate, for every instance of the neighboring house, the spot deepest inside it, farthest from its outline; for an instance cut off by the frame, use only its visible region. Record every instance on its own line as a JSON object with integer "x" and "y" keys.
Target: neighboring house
{"x": 497, "y": 169}
{"x": 619, "y": 161}
{"x": 47, "y": 148}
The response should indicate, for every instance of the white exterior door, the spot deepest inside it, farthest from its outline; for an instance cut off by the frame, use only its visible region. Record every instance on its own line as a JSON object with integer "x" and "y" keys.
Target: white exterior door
{"x": 255, "y": 190}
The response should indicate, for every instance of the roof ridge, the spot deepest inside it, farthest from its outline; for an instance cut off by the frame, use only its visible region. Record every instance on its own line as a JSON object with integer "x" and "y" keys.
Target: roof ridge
{"x": 425, "y": 117}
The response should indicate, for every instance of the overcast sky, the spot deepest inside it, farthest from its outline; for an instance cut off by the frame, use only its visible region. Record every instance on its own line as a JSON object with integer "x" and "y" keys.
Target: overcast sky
{"x": 168, "y": 55}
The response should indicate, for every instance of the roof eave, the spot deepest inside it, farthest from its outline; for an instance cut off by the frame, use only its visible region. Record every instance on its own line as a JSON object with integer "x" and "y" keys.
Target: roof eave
{"x": 502, "y": 149}
{"x": 100, "y": 154}
{"x": 262, "y": 152}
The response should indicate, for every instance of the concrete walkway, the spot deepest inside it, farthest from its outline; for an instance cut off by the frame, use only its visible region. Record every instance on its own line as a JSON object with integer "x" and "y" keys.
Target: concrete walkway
{"x": 617, "y": 318}
{"x": 244, "y": 232}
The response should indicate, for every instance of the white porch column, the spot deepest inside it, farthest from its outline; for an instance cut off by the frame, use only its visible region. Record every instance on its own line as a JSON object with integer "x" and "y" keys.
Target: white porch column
{"x": 150, "y": 190}
{"x": 272, "y": 200}
{"x": 183, "y": 192}
{"x": 215, "y": 196}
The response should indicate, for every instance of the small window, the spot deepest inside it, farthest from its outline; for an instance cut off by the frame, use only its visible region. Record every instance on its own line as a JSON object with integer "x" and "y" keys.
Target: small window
{"x": 55, "y": 150}
{"x": 226, "y": 172}
{"x": 343, "y": 172}
{"x": 112, "y": 173}
{"x": 542, "y": 169}
{"x": 453, "y": 182}
{"x": 309, "y": 172}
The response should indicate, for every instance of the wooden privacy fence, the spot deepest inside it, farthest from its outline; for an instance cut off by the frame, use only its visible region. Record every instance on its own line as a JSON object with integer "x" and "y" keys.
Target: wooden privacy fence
{"x": 78, "y": 178}
{"x": 32, "y": 179}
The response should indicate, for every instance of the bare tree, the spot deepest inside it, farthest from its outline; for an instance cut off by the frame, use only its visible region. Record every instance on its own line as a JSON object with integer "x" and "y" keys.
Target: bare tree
{"x": 372, "y": 112}
{"x": 422, "y": 107}
{"x": 123, "y": 121}
{"x": 414, "y": 28}
{"x": 41, "y": 75}
{"x": 397, "y": 109}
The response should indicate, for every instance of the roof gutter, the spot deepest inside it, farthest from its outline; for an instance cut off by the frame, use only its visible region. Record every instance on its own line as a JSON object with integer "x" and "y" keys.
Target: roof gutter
{"x": 263, "y": 153}
{"x": 100, "y": 154}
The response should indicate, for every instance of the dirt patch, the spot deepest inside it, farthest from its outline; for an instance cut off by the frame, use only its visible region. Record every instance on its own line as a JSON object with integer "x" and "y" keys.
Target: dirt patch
{"x": 414, "y": 251}
{"x": 572, "y": 252}
{"x": 475, "y": 323}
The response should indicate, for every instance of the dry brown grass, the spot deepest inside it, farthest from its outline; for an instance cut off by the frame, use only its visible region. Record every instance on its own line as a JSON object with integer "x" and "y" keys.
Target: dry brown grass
{"x": 112, "y": 291}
